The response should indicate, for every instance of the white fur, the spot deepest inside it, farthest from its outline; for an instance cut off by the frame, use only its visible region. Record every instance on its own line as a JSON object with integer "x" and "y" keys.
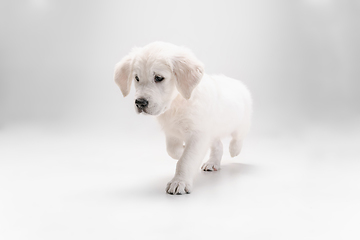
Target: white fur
{"x": 194, "y": 109}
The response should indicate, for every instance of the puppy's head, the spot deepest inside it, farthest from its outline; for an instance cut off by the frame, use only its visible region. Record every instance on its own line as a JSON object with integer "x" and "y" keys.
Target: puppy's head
{"x": 160, "y": 71}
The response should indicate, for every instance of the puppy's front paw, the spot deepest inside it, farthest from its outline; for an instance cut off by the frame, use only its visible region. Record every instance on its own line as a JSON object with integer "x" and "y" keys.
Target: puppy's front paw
{"x": 177, "y": 186}
{"x": 210, "y": 166}
{"x": 175, "y": 152}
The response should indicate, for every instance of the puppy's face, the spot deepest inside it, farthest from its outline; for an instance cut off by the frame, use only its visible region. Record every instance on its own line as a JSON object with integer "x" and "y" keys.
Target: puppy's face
{"x": 154, "y": 84}
{"x": 160, "y": 71}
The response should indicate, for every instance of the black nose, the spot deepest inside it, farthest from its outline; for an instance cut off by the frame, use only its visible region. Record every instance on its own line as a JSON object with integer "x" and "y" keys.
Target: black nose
{"x": 141, "y": 103}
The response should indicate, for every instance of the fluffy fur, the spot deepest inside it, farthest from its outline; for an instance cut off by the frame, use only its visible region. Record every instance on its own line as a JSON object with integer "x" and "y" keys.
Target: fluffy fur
{"x": 194, "y": 109}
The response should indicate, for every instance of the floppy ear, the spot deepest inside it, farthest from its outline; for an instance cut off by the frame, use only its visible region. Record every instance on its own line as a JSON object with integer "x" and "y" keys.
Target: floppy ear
{"x": 123, "y": 70}
{"x": 188, "y": 71}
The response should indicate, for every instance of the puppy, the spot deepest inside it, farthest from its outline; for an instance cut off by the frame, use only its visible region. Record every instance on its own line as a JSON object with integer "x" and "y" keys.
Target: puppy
{"x": 195, "y": 110}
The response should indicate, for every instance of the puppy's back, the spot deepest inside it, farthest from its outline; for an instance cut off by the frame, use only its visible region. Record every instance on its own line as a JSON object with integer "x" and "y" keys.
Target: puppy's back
{"x": 225, "y": 102}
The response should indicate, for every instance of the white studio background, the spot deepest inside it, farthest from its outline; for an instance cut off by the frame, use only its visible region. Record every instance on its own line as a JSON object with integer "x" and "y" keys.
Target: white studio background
{"x": 77, "y": 162}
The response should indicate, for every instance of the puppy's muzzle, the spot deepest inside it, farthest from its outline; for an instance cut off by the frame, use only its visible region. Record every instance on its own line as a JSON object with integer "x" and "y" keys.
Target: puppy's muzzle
{"x": 141, "y": 103}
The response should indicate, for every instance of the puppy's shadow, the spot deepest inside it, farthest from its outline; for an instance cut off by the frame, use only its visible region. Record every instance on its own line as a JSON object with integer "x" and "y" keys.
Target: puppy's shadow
{"x": 204, "y": 181}
{"x": 228, "y": 173}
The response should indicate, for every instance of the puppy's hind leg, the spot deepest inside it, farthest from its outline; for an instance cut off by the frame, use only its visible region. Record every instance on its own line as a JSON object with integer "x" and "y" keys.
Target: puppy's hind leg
{"x": 238, "y": 135}
{"x": 213, "y": 164}
{"x": 235, "y": 147}
{"x": 237, "y": 139}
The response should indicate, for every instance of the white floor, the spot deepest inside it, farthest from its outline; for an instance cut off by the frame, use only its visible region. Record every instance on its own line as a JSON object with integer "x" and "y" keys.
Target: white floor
{"x": 60, "y": 183}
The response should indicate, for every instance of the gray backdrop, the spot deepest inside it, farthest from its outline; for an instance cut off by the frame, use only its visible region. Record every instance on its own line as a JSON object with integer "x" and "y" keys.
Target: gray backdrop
{"x": 299, "y": 58}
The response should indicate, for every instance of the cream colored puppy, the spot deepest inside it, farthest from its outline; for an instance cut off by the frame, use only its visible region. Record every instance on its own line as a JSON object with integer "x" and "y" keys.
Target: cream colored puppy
{"x": 194, "y": 109}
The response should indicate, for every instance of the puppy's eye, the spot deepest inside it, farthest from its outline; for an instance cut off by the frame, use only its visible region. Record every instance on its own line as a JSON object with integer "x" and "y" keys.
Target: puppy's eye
{"x": 136, "y": 78}
{"x": 158, "y": 78}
